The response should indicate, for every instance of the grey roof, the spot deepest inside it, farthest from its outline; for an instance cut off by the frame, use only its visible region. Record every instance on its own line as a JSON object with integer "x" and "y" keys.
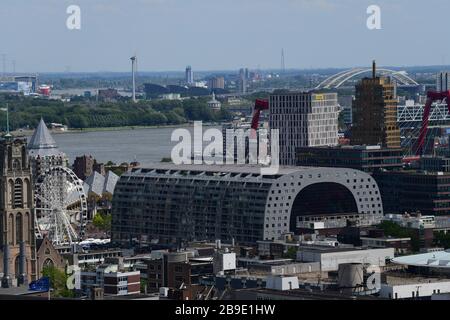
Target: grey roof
{"x": 110, "y": 182}
{"x": 229, "y": 168}
{"x": 42, "y": 143}
{"x": 243, "y": 173}
{"x": 440, "y": 259}
{"x": 98, "y": 184}
{"x": 245, "y": 169}
{"x": 94, "y": 184}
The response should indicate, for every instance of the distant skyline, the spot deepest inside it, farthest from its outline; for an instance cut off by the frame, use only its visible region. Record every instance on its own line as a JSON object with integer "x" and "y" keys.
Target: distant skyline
{"x": 168, "y": 35}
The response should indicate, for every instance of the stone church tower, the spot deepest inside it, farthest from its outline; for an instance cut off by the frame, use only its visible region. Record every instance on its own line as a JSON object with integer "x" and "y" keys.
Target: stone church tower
{"x": 17, "y": 239}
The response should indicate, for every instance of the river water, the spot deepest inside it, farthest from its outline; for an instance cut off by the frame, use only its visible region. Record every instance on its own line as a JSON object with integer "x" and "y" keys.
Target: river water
{"x": 146, "y": 146}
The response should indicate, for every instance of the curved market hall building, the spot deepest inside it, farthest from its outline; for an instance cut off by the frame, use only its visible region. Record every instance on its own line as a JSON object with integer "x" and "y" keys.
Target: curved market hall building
{"x": 171, "y": 203}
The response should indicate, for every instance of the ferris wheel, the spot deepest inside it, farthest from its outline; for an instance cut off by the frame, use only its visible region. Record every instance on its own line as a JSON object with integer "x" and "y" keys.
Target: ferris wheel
{"x": 60, "y": 206}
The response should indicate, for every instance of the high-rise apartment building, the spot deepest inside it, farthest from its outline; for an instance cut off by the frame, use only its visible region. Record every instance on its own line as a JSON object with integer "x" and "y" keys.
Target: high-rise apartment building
{"x": 217, "y": 83}
{"x": 189, "y": 75}
{"x": 242, "y": 81}
{"x": 443, "y": 81}
{"x": 375, "y": 113}
{"x": 304, "y": 119}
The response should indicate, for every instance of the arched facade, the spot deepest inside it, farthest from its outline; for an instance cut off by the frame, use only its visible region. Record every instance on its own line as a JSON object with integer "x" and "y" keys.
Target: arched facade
{"x": 27, "y": 193}
{"x": 17, "y": 266}
{"x": 48, "y": 263}
{"x": 19, "y": 228}
{"x": 18, "y": 193}
{"x": 322, "y": 199}
{"x": 285, "y": 191}
{"x": 11, "y": 229}
{"x": 238, "y": 202}
{"x": 46, "y": 256}
{"x": 27, "y": 224}
{"x": 10, "y": 193}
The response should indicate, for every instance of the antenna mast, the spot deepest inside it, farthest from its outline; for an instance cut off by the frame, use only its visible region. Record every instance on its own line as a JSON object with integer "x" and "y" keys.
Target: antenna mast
{"x": 283, "y": 66}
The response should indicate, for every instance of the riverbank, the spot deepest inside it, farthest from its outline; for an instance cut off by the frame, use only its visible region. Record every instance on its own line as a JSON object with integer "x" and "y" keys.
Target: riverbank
{"x": 105, "y": 129}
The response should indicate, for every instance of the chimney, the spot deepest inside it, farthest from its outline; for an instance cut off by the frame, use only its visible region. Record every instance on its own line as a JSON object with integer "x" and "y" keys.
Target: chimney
{"x": 374, "y": 69}
{"x": 6, "y": 280}
{"x": 23, "y": 279}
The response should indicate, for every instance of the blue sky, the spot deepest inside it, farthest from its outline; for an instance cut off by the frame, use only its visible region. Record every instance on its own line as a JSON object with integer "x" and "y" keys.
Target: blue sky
{"x": 221, "y": 34}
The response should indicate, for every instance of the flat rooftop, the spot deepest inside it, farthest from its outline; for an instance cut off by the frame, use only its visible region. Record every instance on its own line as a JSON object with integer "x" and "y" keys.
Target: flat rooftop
{"x": 439, "y": 259}
{"x": 19, "y": 292}
{"x": 304, "y": 294}
{"x": 394, "y": 280}
{"x": 386, "y": 238}
{"x": 329, "y": 249}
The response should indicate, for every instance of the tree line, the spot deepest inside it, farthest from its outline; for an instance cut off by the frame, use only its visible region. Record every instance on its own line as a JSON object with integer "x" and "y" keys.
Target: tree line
{"x": 26, "y": 112}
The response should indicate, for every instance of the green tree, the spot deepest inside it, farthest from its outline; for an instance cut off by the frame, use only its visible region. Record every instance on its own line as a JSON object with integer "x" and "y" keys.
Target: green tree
{"x": 291, "y": 253}
{"x": 107, "y": 220}
{"x": 102, "y": 221}
{"x": 58, "y": 282}
{"x": 392, "y": 229}
{"x": 442, "y": 239}
{"x": 98, "y": 221}
{"x": 78, "y": 121}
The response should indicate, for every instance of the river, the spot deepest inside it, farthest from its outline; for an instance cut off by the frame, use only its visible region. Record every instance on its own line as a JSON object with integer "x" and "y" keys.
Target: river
{"x": 145, "y": 145}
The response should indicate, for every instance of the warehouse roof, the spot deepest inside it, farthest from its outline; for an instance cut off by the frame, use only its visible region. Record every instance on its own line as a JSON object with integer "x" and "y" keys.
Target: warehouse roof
{"x": 440, "y": 259}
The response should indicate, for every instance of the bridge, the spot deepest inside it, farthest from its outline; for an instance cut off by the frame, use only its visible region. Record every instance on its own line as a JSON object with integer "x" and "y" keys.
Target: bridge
{"x": 337, "y": 80}
{"x": 413, "y": 113}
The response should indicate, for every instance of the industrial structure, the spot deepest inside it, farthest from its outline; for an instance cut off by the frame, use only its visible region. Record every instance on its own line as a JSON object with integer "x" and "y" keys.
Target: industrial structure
{"x": 432, "y": 96}
{"x": 410, "y": 114}
{"x": 19, "y": 84}
{"x": 133, "y": 72}
{"x": 173, "y": 203}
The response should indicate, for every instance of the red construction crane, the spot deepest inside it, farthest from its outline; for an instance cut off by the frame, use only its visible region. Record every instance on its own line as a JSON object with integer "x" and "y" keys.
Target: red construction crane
{"x": 260, "y": 104}
{"x": 432, "y": 96}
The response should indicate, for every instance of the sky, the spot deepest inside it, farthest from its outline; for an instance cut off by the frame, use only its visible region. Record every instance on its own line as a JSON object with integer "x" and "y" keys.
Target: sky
{"x": 168, "y": 35}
